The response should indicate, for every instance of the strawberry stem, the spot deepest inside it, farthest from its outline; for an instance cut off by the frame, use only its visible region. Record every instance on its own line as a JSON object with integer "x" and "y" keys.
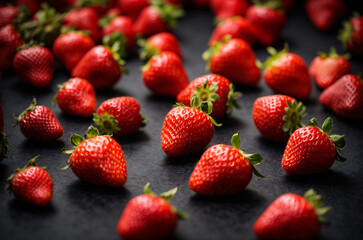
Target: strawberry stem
{"x": 106, "y": 123}
{"x": 205, "y": 106}
{"x": 28, "y": 109}
{"x": 294, "y": 113}
{"x": 275, "y": 56}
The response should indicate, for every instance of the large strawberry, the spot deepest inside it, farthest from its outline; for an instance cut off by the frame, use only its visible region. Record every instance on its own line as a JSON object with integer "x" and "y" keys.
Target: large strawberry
{"x": 38, "y": 122}
{"x": 224, "y": 169}
{"x": 228, "y": 8}
{"x": 291, "y": 216}
{"x": 132, "y": 8}
{"x": 277, "y": 116}
{"x": 235, "y": 60}
{"x": 164, "y": 74}
{"x": 351, "y": 35}
{"x": 3, "y": 139}
{"x": 7, "y": 15}
{"x": 312, "y": 150}
{"x": 31, "y": 184}
{"x": 98, "y": 159}
{"x": 345, "y": 97}
{"x": 10, "y": 40}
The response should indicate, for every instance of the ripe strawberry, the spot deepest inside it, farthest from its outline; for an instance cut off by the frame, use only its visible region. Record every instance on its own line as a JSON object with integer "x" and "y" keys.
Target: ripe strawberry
{"x": 132, "y": 8}
{"x": 76, "y": 97}
{"x": 291, "y": 216}
{"x": 35, "y": 65}
{"x": 214, "y": 88}
{"x": 235, "y": 60}
{"x": 345, "y": 97}
{"x": 97, "y": 159}
{"x": 224, "y": 169}
{"x": 114, "y": 11}
{"x": 277, "y": 116}
{"x": 149, "y": 216}
{"x": 7, "y": 15}
{"x": 164, "y": 74}
{"x": 228, "y": 8}
{"x": 351, "y": 35}
{"x": 312, "y": 150}
{"x": 31, "y": 184}
{"x": 3, "y": 139}
{"x": 39, "y": 123}
{"x": 287, "y": 73}
{"x": 9, "y": 41}
{"x": 328, "y": 68}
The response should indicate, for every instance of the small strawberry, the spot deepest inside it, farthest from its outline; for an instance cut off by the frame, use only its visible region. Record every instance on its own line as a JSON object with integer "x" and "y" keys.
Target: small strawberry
{"x": 224, "y": 169}
{"x": 149, "y": 216}
{"x": 223, "y": 9}
{"x": 277, "y": 116}
{"x": 164, "y": 74}
{"x": 10, "y": 40}
{"x": 76, "y": 97}
{"x": 351, "y": 35}
{"x": 312, "y": 150}
{"x": 132, "y": 8}
{"x": 98, "y": 159}
{"x": 235, "y": 60}
{"x": 3, "y": 139}
{"x": 345, "y": 97}
{"x": 291, "y": 216}
{"x": 39, "y": 123}
{"x": 31, "y": 184}
{"x": 7, "y": 15}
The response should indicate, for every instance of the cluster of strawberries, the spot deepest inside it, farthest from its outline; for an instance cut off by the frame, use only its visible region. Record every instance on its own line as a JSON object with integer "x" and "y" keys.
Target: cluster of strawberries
{"x": 28, "y": 32}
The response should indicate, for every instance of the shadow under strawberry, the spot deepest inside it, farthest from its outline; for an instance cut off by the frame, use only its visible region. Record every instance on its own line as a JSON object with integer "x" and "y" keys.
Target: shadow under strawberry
{"x": 160, "y": 99}
{"x": 111, "y": 93}
{"x": 138, "y": 137}
{"x": 329, "y": 178}
{"x": 185, "y": 159}
{"x": 230, "y": 122}
{"x": 39, "y": 146}
{"x": 18, "y": 208}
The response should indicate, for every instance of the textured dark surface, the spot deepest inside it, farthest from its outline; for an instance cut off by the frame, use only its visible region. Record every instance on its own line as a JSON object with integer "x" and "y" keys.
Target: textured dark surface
{"x": 84, "y": 211}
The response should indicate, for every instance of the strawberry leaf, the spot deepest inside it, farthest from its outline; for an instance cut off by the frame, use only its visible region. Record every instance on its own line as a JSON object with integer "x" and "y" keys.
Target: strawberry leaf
{"x": 92, "y": 132}
{"x": 106, "y": 123}
{"x": 317, "y": 201}
{"x": 76, "y": 139}
{"x": 232, "y": 99}
{"x": 327, "y": 125}
{"x": 236, "y": 141}
{"x": 168, "y": 194}
{"x": 338, "y": 140}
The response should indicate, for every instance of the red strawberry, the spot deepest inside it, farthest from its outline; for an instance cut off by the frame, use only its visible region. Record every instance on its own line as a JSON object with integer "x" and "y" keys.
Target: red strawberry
{"x": 97, "y": 159}
{"x": 214, "y": 88}
{"x": 149, "y": 216}
{"x": 69, "y": 48}
{"x": 328, "y": 68}
{"x": 132, "y": 8}
{"x": 291, "y": 216}
{"x": 7, "y": 15}
{"x": 351, "y": 35}
{"x": 31, "y": 184}
{"x": 164, "y": 74}
{"x": 224, "y": 169}
{"x": 3, "y": 139}
{"x": 9, "y": 41}
{"x": 35, "y": 65}
{"x": 119, "y": 116}
{"x": 114, "y": 11}
{"x": 345, "y": 97}
{"x": 39, "y": 123}
{"x": 228, "y": 8}
{"x": 235, "y": 60}
{"x": 312, "y": 150}
{"x": 76, "y": 97}
{"x": 287, "y": 73}
{"x": 277, "y": 116}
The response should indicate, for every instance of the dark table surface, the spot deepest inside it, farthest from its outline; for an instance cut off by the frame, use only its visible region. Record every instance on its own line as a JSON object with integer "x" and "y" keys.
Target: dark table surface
{"x": 83, "y": 211}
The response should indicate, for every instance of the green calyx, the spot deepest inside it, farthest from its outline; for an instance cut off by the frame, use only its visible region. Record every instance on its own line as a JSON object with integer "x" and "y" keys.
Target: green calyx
{"x": 22, "y": 16}
{"x": 274, "y": 4}
{"x": 206, "y": 93}
{"x": 231, "y": 100}
{"x": 346, "y": 32}
{"x": 214, "y": 50}
{"x": 106, "y": 123}
{"x": 106, "y": 20}
{"x": 144, "y": 121}
{"x": 169, "y": 13}
{"x": 253, "y": 158}
{"x": 294, "y": 113}
{"x": 28, "y": 109}
{"x": 333, "y": 54}
{"x": 116, "y": 43}
{"x": 147, "y": 50}
{"x": 317, "y": 201}
{"x": 90, "y": 3}
{"x": 4, "y": 145}
{"x": 274, "y": 58}
{"x": 72, "y": 29}
{"x": 205, "y": 106}
{"x": 338, "y": 140}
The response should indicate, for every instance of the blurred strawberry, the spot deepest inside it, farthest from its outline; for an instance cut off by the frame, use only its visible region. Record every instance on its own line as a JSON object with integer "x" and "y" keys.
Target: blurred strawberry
{"x": 132, "y": 8}
{"x": 7, "y": 15}
{"x": 10, "y": 40}
{"x": 223, "y": 9}
{"x": 32, "y": 5}
{"x": 351, "y": 35}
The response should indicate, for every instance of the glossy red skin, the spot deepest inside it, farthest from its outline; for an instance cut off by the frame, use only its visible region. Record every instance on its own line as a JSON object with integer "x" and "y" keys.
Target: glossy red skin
{"x": 40, "y": 124}
{"x": 77, "y": 98}
{"x": 124, "y": 25}
{"x": 223, "y": 9}
{"x": 289, "y": 75}
{"x": 132, "y": 8}
{"x": 267, "y": 115}
{"x": 185, "y": 130}
{"x": 221, "y": 170}
{"x": 9, "y": 41}
{"x": 147, "y": 217}
{"x": 345, "y": 97}
{"x": 7, "y": 15}
{"x": 290, "y": 216}
{"x": 149, "y": 22}
{"x": 219, "y": 106}
{"x": 308, "y": 151}
{"x": 237, "y": 62}
{"x": 33, "y": 185}
{"x": 32, "y": 5}
{"x": 1, "y": 118}
{"x": 355, "y": 46}
{"x": 165, "y": 74}
{"x": 165, "y": 41}
{"x": 126, "y": 110}
{"x": 100, "y": 161}
{"x": 99, "y": 67}
{"x": 69, "y": 48}
{"x": 35, "y": 65}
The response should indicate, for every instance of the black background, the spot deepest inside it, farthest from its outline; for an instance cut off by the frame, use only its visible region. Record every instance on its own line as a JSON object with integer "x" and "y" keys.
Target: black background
{"x": 79, "y": 210}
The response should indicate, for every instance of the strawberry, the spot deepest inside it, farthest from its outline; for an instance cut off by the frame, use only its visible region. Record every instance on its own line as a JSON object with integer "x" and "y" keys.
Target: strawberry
{"x": 100, "y": 6}
{"x": 114, "y": 11}
{"x": 132, "y": 8}
{"x": 3, "y": 139}
{"x": 351, "y": 35}
{"x": 164, "y": 74}
{"x": 158, "y": 43}
{"x": 291, "y": 216}
{"x": 235, "y": 60}
{"x": 119, "y": 116}
{"x": 214, "y": 88}
{"x": 277, "y": 116}
{"x": 7, "y": 15}
{"x": 224, "y": 169}
{"x": 328, "y": 68}
{"x": 76, "y": 97}
{"x": 287, "y": 73}
{"x": 98, "y": 159}
{"x": 228, "y": 8}
{"x": 10, "y": 40}
{"x": 31, "y": 184}
{"x": 345, "y": 97}
{"x": 39, "y": 123}
{"x": 35, "y": 65}
{"x": 312, "y": 150}
{"x": 149, "y": 216}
